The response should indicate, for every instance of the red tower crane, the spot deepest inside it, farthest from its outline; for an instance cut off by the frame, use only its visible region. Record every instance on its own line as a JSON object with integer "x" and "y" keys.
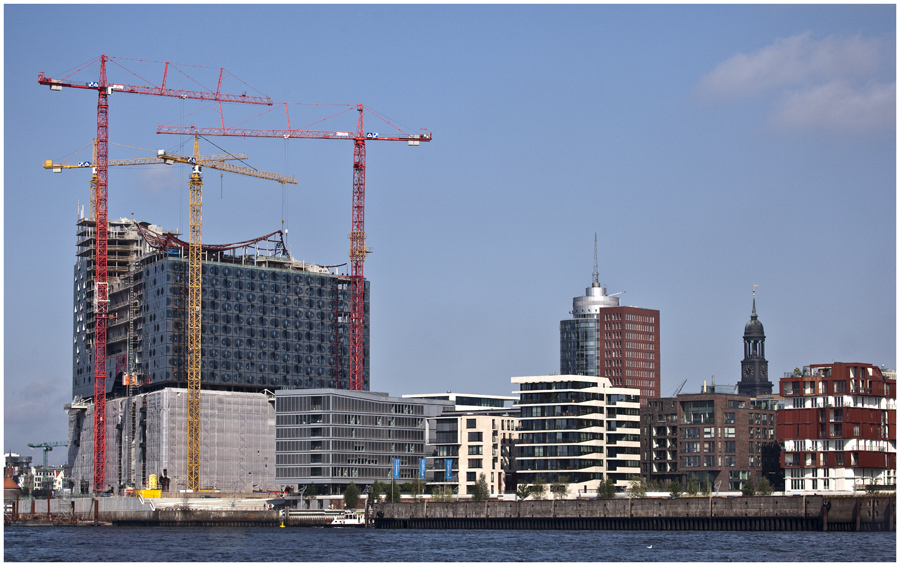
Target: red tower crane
{"x": 101, "y": 294}
{"x": 358, "y": 248}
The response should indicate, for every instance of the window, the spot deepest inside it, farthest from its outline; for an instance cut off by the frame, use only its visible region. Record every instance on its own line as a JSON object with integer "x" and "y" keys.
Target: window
{"x": 709, "y": 461}
{"x": 690, "y": 447}
{"x": 730, "y": 461}
{"x": 475, "y": 437}
{"x": 729, "y": 418}
{"x": 475, "y": 462}
{"x": 475, "y": 450}
{"x": 729, "y": 432}
{"x": 729, "y": 446}
{"x": 470, "y": 423}
{"x": 708, "y": 432}
{"x": 470, "y": 476}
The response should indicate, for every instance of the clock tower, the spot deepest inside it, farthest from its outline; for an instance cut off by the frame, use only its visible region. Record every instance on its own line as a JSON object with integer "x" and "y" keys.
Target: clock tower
{"x": 754, "y": 367}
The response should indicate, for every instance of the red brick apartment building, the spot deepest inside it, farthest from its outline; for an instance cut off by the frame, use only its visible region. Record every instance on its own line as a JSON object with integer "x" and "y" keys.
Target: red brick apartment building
{"x": 839, "y": 429}
{"x": 725, "y": 438}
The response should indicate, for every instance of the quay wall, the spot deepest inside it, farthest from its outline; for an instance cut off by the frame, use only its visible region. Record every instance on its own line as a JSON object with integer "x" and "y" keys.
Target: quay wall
{"x": 689, "y": 513}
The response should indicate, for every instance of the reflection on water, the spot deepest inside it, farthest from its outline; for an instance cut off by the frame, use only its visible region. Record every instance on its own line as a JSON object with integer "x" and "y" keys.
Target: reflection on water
{"x": 190, "y": 544}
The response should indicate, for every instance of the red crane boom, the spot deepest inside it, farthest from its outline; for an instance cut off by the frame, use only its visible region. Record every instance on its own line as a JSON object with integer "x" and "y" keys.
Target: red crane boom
{"x": 358, "y": 248}
{"x": 101, "y": 295}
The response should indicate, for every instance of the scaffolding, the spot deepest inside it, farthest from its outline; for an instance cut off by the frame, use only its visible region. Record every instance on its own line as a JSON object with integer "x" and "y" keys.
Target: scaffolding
{"x": 237, "y": 439}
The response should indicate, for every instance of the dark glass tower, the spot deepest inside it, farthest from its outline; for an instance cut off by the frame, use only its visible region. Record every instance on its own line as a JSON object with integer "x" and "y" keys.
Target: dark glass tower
{"x": 754, "y": 367}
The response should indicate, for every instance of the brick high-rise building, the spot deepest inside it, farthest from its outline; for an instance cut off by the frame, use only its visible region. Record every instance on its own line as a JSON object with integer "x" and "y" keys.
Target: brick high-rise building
{"x": 605, "y": 339}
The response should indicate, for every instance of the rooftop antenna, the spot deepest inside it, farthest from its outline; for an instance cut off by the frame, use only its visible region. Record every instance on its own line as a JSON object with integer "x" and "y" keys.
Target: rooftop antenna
{"x": 596, "y": 277}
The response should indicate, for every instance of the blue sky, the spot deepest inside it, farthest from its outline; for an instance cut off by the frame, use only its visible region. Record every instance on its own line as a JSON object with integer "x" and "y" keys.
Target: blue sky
{"x": 710, "y": 148}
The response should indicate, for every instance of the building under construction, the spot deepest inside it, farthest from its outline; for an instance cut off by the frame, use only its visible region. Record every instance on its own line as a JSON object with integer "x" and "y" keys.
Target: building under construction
{"x": 268, "y": 322}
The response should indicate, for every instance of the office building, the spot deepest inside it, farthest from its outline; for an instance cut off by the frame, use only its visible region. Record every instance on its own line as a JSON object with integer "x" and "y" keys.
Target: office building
{"x": 331, "y": 438}
{"x": 606, "y": 339}
{"x": 839, "y": 428}
{"x": 580, "y": 429}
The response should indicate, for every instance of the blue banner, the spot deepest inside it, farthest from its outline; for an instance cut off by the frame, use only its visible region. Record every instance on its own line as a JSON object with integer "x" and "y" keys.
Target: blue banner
{"x": 396, "y": 468}
{"x": 448, "y": 471}
{"x": 421, "y": 468}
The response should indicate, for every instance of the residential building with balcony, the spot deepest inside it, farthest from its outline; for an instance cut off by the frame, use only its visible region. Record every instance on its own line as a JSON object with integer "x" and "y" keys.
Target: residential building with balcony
{"x": 659, "y": 440}
{"x": 475, "y": 436}
{"x": 839, "y": 428}
{"x": 578, "y": 428}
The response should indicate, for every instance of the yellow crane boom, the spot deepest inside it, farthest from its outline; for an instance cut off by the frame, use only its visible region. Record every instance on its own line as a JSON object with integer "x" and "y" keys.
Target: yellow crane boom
{"x": 207, "y": 160}
{"x": 203, "y": 159}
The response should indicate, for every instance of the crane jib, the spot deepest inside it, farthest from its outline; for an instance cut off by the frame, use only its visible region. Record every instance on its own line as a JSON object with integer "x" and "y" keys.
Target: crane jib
{"x": 287, "y": 134}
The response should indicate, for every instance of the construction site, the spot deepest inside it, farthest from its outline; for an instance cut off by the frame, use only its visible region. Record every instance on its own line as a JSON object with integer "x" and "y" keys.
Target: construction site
{"x": 179, "y": 345}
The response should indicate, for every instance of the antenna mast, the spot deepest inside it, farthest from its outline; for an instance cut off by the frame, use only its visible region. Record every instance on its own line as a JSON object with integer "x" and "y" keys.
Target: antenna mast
{"x": 596, "y": 280}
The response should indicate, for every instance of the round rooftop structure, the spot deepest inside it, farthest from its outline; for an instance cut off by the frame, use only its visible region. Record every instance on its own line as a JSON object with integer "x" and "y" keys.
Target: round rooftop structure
{"x": 594, "y": 299}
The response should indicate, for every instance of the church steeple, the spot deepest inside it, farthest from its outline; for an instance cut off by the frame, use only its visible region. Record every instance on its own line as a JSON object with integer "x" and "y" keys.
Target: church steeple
{"x": 754, "y": 366}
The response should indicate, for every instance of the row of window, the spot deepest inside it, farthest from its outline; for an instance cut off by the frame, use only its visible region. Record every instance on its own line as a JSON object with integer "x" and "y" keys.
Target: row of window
{"x": 716, "y": 461}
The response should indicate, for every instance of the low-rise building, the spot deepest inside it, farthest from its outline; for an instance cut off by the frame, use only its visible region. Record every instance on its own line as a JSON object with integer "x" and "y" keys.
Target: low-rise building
{"x": 476, "y": 436}
{"x": 839, "y": 428}
{"x": 331, "y": 438}
{"x": 578, "y": 429}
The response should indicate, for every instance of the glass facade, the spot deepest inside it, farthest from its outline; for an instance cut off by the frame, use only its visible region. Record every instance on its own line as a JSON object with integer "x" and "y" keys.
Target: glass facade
{"x": 579, "y": 349}
{"x": 333, "y": 438}
{"x": 262, "y": 327}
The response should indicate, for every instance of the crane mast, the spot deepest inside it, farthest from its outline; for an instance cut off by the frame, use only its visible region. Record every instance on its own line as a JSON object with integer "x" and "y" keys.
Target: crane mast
{"x": 195, "y": 288}
{"x": 358, "y": 257}
{"x": 101, "y": 284}
{"x": 193, "y": 325}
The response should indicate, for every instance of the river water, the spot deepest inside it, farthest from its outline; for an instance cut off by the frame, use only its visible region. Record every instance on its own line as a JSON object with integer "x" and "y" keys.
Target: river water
{"x": 263, "y": 544}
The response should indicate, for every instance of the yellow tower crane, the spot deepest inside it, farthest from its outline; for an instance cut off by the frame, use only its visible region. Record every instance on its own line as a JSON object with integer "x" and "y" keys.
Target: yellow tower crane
{"x": 58, "y": 167}
{"x": 194, "y": 289}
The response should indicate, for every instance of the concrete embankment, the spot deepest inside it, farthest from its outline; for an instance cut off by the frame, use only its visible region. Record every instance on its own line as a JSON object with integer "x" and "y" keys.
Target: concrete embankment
{"x": 132, "y": 511}
{"x": 772, "y": 513}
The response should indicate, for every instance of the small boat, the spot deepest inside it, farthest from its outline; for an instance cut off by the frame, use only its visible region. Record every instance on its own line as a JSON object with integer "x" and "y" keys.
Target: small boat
{"x": 348, "y": 519}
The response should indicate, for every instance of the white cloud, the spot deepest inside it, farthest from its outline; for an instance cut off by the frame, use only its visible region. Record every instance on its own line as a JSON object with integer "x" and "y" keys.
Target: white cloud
{"x": 828, "y": 84}
{"x": 838, "y": 107}
{"x": 792, "y": 61}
